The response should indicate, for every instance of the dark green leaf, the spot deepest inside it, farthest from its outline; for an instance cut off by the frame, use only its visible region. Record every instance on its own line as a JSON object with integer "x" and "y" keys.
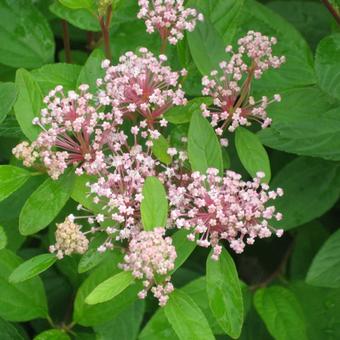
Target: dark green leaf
{"x": 52, "y": 334}
{"x": 11, "y": 179}
{"x": 25, "y": 35}
{"x": 160, "y": 150}
{"x": 8, "y": 95}
{"x": 224, "y": 294}
{"x": 204, "y": 149}
{"x": 32, "y": 267}
{"x": 8, "y": 331}
{"x": 251, "y": 152}
{"x": 50, "y": 198}
{"x": 186, "y": 318}
{"x": 325, "y": 268}
{"x": 281, "y": 313}
{"x": 154, "y": 206}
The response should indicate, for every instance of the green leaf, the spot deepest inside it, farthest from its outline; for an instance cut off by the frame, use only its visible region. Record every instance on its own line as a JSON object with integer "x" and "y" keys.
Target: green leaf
{"x": 77, "y": 4}
{"x": 110, "y": 288}
{"x": 52, "y": 334}
{"x": 183, "y": 114}
{"x": 281, "y": 313}
{"x": 311, "y": 187}
{"x": 325, "y": 270}
{"x": 23, "y": 301}
{"x": 28, "y": 104}
{"x": 8, "y": 331}
{"x": 224, "y": 294}
{"x": 327, "y": 65}
{"x": 32, "y": 267}
{"x": 92, "y": 70}
{"x": 154, "y": 206}
{"x": 251, "y": 152}
{"x": 186, "y": 318}
{"x": 25, "y": 35}
{"x": 3, "y": 238}
{"x": 204, "y": 149}
{"x": 50, "y": 198}
{"x": 11, "y": 179}
{"x": 8, "y": 95}
{"x": 49, "y": 76}
{"x": 160, "y": 150}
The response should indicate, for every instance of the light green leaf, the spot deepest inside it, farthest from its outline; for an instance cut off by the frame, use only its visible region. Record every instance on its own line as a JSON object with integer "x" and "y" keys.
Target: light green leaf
{"x": 186, "y": 318}
{"x": 281, "y": 313}
{"x": 11, "y": 179}
{"x": 26, "y": 37}
{"x": 77, "y": 4}
{"x": 325, "y": 268}
{"x": 224, "y": 294}
{"x": 3, "y": 238}
{"x": 8, "y": 95}
{"x": 154, "y": 206}
{"x": 52, "y": 334}
{"x": 32, "y": 267}
{"x": 49, "y": 198}
{"x": 28, "y": 104}
{"x": 204, "y": 149}
{"x": 160, "y": 150}
{"x": 251, "y": 152}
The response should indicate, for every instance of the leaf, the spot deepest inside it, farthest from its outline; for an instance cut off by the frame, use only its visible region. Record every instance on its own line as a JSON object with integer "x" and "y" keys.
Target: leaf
{"x": 186, "y": 318}
{"x": 25, "y": 35}
{"x": 10, "y": 128}
{"x": 281, "y": 313}
{"x": 327, "y": 65}
{"x": 154, "y": 206}
{"x": 160, "y": 150}
{"x": 92, "y": 70}
{"x": 32, "y": 267}
{"x": 11, "y": 179}
{"x": 76, "y": 4}
{"x": 8, "y": 95}
{"x": 50, "y": 198}
{"x": 52, "y": 75}
{"x": 324, "y": 270}
{"x": 3, "y": 238}
{"x": 251, "y": 152}
{"x": 23, "y": 301}
{"x": 303, "y": 200}
{"x": 28, "y": 104}
{"x": 52, "y": 334}
{"x": 8, "y": 331}
{"x": 224, "y": 294}
{"x": 204, "y": 150}
{"x": 110, "y": 288}
{"x": 183, "y": 114}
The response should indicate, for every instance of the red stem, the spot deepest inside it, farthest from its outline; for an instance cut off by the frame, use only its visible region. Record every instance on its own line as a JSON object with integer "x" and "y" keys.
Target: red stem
{"x": 332, "y": 11}
{"x": 67, "y": 45}
{"x": 105, "y": 27}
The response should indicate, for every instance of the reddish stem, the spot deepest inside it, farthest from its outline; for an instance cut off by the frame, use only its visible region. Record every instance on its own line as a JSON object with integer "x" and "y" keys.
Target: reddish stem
{"x": 67, "y": 45}
{"x": 332, "y": 10}
{"x": 105, "y": 27}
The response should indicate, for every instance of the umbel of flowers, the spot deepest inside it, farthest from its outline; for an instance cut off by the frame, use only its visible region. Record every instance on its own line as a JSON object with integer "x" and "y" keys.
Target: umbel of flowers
{"x": 89, "y": 132}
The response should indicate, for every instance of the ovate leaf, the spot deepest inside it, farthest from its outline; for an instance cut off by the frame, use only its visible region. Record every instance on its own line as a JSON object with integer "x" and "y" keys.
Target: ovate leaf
{"x": 154, "y": 206}
{"x": 52, "y": 334}
{"x": 8, "y": 95}
{"x": 160, "y": 150}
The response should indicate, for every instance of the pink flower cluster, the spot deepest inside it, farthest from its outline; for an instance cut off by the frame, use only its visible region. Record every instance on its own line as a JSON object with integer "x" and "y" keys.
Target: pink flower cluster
{"x": 169, "y": 18}
{"x": 231, "y": 86}
{"x": 223, "y": 208}
{"x": 152, "y": 256}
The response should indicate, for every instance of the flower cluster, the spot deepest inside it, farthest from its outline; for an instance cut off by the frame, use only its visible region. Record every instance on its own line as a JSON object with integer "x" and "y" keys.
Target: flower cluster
{"x": 169, "y": 18}
{"x": 231, "y": 86}
{"x": 223, "y": 208}
{"x": 151, "y": 256}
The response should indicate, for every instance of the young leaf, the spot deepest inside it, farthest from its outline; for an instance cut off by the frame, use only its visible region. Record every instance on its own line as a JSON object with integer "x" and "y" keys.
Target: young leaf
{"x": 8, "y": 95}
{"x": 204, "y": 149}
{"x": 325, "y": 268}
{"x": 160, "y": 150}
{"x": 32, "y": 267}
{"x": 52, "y": 334}
{"x": 28, "y": 104}
{"x": 251, "y": 152}
{"x": 154, "y": 206}
{"x": 23, "y": 301}
{"x": 3, "y": 238}
{"x": 25, "y": 35}
{"x": 186, "y": 318}
{"x": 49, "y": 198}
{"x": 11, "y": 179}
{"x": 224, "y": 294}
{"x": 281, "y": 313}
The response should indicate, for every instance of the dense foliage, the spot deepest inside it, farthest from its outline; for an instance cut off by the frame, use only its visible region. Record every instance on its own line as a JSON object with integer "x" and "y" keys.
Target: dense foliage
{"x": 169, "y": 169}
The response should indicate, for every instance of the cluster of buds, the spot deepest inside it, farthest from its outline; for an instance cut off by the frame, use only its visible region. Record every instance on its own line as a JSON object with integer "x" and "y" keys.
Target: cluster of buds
{"x": 223, "y": 208}
{"x": 231, "y": 86}
{"x": 150, "y": 258}
{"x": 169, "y": 18}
